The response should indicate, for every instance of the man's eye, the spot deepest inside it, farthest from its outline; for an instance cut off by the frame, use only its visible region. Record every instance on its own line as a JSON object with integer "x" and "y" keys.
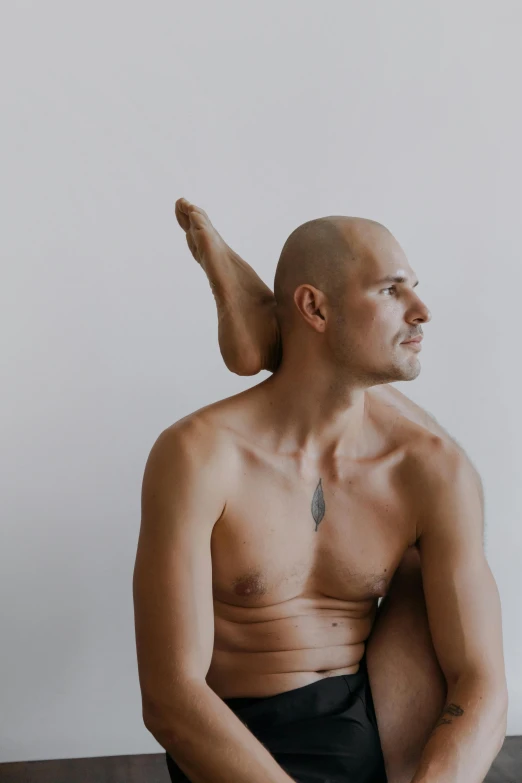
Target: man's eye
{"x": 391, "y": 288}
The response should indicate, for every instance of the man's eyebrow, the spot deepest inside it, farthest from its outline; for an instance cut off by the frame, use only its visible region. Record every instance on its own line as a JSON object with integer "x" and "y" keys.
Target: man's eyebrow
{"x": 395, "y": 279}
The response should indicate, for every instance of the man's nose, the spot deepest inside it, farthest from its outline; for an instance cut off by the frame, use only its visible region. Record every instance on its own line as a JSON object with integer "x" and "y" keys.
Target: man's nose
{"x": 419, "y": 312}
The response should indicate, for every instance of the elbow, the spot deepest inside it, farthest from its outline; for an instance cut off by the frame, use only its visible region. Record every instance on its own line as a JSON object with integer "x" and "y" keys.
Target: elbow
{"x": 159, "y": 718}
{"x": 505, "y": 708}
{"x": 167, "y": 721}
{"x": 149, "y": 724}
{"x": 503, "y": 701}
{"x": 164, "y": 730}
{"x": 503, "y": 704}
{"x": 502, "y": 733}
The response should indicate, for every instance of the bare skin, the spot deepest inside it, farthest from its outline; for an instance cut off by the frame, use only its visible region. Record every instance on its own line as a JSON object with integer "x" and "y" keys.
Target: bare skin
{"x": 249, "y": 336}
{"x": 246, "y": 322}
{"x": 295, "y": 602}
{"x": 305, "y": 536}
{"x": 402, "y": 636}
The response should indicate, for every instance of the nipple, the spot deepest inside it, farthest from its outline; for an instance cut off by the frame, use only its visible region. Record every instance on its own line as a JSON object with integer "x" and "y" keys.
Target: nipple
{"x": 251, "y": 584}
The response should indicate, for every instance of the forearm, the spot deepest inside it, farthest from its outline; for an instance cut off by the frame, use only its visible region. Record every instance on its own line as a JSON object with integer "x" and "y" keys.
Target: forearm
{"x": 210, "y": 743}
{"x": 467, "y": 737}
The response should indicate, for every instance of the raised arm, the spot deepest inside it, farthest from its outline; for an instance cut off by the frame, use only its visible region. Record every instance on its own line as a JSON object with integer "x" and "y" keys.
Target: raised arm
{"x": 185, "y": 485}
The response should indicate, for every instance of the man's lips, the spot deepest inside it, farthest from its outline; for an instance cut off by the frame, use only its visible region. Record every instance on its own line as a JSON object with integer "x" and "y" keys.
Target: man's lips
{"x": 413, "y": 340}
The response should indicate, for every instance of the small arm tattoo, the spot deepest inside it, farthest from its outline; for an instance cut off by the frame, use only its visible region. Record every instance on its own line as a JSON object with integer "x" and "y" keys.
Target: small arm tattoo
{"x": 450, "y": 709}
{"x": 318, "y": 505}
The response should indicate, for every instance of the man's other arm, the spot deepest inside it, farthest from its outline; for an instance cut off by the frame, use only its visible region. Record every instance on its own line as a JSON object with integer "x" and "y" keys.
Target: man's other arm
{"x": 464, "y": 616}
{"x": 184, "y": 493}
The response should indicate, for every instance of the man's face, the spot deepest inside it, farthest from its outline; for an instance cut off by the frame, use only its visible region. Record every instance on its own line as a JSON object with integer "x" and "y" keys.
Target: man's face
{"x": 379, "y": 311}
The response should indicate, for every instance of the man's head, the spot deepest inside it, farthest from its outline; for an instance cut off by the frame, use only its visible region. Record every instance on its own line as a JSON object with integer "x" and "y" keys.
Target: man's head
{"x": 338, "y": 301}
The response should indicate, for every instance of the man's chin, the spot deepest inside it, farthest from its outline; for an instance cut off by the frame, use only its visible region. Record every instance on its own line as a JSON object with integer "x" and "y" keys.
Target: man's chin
{"x": 403, "y": 372}
{"x": 410, "y": 373}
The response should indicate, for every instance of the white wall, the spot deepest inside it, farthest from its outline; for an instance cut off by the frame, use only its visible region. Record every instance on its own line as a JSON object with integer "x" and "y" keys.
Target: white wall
{"x": 266, "y": 115}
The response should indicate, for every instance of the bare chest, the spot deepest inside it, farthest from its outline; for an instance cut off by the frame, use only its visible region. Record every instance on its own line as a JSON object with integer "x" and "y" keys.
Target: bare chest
{"x": 337, "y": 537}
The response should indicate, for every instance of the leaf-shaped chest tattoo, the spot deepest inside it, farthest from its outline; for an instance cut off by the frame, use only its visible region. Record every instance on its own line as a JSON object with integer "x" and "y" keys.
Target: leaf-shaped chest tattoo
{"x": 318, "y": 505}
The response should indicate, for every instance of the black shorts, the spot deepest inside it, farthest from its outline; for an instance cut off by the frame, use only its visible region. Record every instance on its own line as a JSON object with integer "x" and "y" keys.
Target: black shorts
{"x": 324, "y": 732}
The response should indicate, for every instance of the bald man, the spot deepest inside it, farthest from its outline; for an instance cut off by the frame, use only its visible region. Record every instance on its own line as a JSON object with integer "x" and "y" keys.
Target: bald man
{"x": 312, "y": 598}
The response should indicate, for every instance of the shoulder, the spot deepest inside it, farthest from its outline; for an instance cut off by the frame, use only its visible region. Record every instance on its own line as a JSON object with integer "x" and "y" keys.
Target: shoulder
{"x": 189, "y": 475}
{"x": 217, "y": 431}
{"x": 440, "y": 460}
{"x": 209, "y": 429}
{"x": 443, "y": 448}
{"x": 197, "y": 445}
{"x": 444, "y": 483}
{"x": 436, "y": 460}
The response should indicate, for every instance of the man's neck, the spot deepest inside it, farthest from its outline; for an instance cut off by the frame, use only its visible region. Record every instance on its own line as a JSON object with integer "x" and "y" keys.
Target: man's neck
{"x": 315, "y": 411}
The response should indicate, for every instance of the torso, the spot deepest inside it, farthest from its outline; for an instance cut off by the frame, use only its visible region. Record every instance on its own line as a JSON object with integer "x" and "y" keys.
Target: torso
{"x": 296, "y": 584}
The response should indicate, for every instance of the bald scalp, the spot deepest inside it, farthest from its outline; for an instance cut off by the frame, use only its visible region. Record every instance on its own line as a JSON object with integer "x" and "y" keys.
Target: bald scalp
{"x": 322, "y": 253}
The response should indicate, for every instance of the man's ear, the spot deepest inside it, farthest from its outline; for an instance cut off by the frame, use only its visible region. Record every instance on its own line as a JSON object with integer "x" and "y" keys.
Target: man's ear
{"x": 311, "y": 304}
